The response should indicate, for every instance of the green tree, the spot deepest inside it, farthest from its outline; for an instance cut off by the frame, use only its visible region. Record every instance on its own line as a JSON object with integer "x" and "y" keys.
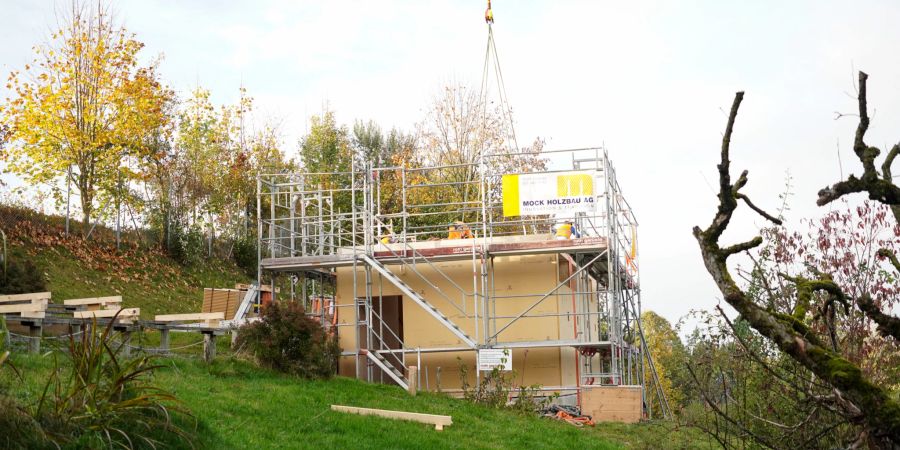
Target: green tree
{"x": 668, "y": 355}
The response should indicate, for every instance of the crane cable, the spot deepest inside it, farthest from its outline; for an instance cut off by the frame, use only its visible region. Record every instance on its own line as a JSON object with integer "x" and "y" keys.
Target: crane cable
{"x": 505, "y": 109}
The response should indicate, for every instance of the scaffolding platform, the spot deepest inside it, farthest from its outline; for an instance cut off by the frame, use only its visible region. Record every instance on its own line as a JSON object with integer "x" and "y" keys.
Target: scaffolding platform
{"x": 442, "y": 250}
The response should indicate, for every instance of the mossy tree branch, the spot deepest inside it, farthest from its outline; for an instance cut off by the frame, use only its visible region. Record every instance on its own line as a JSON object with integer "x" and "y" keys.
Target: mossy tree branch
{"x": 880, "y": 188}
{"x": 880, "y": 413}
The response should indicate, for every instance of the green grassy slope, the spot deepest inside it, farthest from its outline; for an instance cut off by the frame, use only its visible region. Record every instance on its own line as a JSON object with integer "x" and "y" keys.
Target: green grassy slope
{"x": 241, "y": 406}
{"x": 76, "y": 267}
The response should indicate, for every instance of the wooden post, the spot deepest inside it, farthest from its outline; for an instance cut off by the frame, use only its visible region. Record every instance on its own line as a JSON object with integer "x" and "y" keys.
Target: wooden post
{"x": 164, "y": 340}
{"x": 34, "y": 344}
{"x": 126, "y": 343}
{"x": 233, "y": 338}
{"x": 209, "y": 347}
{"x": 412, "y": 385}
{"x": 438, "y": 376}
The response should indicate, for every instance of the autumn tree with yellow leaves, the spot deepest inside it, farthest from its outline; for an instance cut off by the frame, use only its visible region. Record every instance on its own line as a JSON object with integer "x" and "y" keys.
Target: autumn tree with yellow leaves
{"x": 85, "y": 103}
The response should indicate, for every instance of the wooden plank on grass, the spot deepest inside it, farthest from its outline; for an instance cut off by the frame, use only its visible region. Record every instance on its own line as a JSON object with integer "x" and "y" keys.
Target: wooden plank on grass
{"x": 438, "y": 421}
{"x": 187, "y": 317}
{"x": 93, "y": 301}
{"x": 23, "y": 297}
{"x": 106, "y": 313}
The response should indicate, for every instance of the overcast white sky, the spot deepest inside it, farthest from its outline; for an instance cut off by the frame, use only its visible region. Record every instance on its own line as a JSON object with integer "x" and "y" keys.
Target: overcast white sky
{"x": 650, "y": 80}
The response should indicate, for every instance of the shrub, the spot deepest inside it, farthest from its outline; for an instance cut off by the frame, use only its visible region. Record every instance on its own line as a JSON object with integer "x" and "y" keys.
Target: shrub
{"x": 186, "y": 245}
{"x": 106, "y": 400}
{"x": 285, "y": 339}
{"x": 21, "y": 278}
{"x": 245, "y": 254}
{"x": 496, "y": 389}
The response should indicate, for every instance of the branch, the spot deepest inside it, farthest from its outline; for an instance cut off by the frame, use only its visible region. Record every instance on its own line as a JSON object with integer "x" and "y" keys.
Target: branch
{"x": 721, "y": 414}
{"x": 742, "y": 247}
{"x": 758, "y": 210}
{"x": 888, "y": 162}
{"x": 880, "y": 188}
{"x": 888, "y": 326}
{"x": 891, "y": 256}
{"x": 859, "y": 145}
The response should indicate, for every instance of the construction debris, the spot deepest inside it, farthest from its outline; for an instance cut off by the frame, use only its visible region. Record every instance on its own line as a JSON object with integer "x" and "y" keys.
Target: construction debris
{"x": 569, "y": 414}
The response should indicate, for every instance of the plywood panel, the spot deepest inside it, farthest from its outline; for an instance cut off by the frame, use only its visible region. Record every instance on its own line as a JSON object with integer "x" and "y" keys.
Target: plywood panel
{"x": 612, "y": 403}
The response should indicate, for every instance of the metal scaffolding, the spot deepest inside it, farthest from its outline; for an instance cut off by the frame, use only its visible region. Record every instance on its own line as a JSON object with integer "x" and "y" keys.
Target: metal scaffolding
{"x": 371, "y": 218}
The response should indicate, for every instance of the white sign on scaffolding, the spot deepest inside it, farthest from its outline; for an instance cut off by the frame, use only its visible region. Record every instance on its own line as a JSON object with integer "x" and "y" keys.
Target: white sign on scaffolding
{"x": 488, "y": 358}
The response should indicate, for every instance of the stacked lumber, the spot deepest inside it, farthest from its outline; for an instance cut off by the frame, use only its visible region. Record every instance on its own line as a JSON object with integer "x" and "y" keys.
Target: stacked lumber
{"x": 207, "y": 320}
{"x": 224, "y": 301}
{"x": 103, "y": 308}
{"x": 33, "y": 305}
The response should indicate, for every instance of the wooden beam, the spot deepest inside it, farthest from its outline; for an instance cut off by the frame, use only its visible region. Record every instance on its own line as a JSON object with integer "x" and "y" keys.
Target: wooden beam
{"x": 192, "y": 316}
{"x": 413, "y": 379}
{"x": 93, "y": 301}
{"x": 439, "y": 422}
{"x": 105, "y": 313}
{"x": 22, "y": 297}
{"x": 24, "y": 307}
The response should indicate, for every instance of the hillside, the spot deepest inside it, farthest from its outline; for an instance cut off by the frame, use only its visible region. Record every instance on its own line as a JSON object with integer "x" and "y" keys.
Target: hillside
{"x": 144, "y": 276}
{"x": 238, "y": 405}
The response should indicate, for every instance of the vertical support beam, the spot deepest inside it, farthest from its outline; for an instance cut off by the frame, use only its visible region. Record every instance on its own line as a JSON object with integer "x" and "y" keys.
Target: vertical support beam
{"x": 164, "y": 340}
{"x": 209, "y": 347}
{"x": 35, "y": 330}
{"x": 293, "y": 204}
{"x": 126, "y": 343}
{"x": 74, "y": 329}
{"x": 258, "y": 229}
{"x": 413, "y": 383}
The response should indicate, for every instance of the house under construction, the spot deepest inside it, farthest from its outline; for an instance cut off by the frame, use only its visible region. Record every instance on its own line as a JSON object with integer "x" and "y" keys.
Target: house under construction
{"x": 368, "y": 250}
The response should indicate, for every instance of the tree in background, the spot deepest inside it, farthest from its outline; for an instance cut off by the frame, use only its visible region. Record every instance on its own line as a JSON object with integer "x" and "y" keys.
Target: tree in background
{"x": 327, "y": 151}
{"x": 460, "y": 132}
{"x": 668, "y": 354}
{"x": 84, "y": 103}
{"x": 806, "y": 335}
{"x": 394, "y": 149}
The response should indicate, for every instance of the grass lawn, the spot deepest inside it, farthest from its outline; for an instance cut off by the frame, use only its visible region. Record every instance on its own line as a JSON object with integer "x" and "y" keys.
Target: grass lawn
{"x": 238, "y": 405}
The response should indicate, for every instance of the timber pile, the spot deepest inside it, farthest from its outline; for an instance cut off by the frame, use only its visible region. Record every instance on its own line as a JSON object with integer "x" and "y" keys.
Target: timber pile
{"x": 225, "y": 301}
{"x": 103, "y": 308}
{"x": 32, "y": 305}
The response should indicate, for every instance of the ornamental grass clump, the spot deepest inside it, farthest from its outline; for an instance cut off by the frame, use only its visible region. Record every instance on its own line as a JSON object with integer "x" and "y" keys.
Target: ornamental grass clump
{"x": 100, "y": 398}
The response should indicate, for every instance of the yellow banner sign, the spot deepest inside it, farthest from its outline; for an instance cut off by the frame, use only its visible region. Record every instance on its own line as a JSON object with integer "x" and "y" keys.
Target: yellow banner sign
{"x": 533, "y": 194}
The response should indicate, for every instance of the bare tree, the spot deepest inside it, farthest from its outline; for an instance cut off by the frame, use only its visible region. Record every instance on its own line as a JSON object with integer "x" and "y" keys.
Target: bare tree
{"x": 856, "y": 398}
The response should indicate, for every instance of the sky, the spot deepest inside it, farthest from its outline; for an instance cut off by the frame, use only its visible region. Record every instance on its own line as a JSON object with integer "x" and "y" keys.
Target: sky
{"x": 651, "y": 81}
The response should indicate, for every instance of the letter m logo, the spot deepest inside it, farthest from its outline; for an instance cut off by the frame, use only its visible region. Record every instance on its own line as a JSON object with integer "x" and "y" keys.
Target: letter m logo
{"x": 574, "y": 185}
